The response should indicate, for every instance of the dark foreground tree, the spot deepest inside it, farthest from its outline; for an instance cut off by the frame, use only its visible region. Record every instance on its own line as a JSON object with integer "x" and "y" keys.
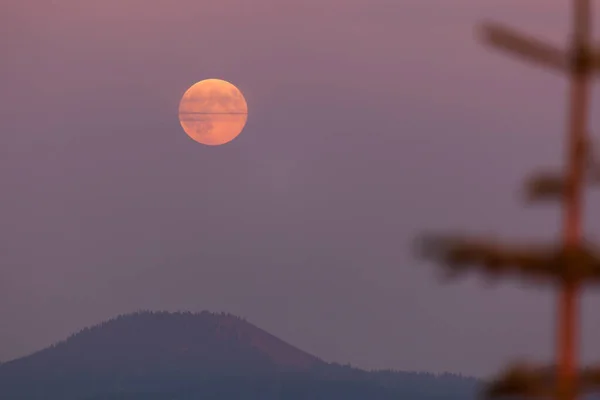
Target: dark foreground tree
{"x": 569, "y": 264}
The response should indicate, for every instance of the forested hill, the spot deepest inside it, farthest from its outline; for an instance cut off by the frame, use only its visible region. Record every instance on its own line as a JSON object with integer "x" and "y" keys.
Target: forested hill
{"x": 186, "y": 356}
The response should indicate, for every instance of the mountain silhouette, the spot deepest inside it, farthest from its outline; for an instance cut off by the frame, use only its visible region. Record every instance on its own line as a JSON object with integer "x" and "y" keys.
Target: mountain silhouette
{"x": 188, "y": 356}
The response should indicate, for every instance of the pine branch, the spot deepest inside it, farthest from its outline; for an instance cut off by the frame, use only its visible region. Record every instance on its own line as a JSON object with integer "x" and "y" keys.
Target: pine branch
{"x": 527, "y": 380}
{"x": 544, "y": 186}
{"x": 590, "y": 378}
{"x": 525, "y": 46}
{"x": 552, "y": 185}
{"x": 522, "y": 380}
{"x": 458, "y": 255}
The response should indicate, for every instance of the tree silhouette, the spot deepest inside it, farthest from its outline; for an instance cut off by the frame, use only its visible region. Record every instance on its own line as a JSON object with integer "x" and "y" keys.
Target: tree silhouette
{"x": 570, "y": 264}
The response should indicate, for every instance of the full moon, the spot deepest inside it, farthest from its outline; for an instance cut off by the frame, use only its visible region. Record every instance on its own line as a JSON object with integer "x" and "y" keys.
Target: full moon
{"x": 213, "y": 112}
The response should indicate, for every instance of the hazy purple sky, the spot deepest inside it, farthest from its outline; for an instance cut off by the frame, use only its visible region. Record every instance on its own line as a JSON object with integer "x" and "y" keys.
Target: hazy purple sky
{"x": 369, "y": 121}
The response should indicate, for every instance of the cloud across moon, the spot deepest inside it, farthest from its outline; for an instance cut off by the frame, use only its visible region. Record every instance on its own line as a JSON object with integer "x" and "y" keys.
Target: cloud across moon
{"x": 213, "y": 112}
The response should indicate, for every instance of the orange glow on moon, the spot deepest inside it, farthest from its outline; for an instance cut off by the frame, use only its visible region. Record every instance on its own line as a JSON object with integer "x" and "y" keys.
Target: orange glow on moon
{"x": 213, "y": 112}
